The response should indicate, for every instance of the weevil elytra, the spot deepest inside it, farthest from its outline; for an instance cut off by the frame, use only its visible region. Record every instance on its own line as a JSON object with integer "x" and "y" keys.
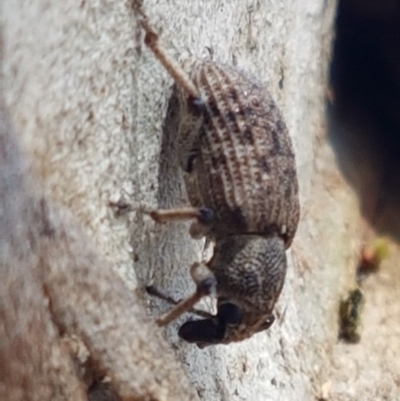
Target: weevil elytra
{"x": 240, "y": 175}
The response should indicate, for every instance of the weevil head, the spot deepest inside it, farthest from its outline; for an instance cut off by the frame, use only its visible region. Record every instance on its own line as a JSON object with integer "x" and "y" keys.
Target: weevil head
{"x": 250, "y": 271}
{"x": 229, "y": 325}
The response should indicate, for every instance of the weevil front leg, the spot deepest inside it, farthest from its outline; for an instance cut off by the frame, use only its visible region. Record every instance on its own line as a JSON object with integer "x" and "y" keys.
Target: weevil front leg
{"x": 206, "y": 284}
{"x": 204, "y": 218}
{"x": 151, "y": 290}
{"x": 176, "y": 71}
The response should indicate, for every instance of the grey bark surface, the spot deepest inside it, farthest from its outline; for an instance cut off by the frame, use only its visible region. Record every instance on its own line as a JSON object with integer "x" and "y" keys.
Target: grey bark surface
{"x": 69, "y": 324}
{"x": 89, "y": 101}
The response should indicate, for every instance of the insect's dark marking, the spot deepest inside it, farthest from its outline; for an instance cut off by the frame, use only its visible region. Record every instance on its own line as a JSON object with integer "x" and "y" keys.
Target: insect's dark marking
{"x": 212, "y": 109}
{"x": 207, "y": 285}
{"x": 248, "y": 135}
{"x": 190, "y": 163}
{"x": 276, "y": 149}
{"x": 255, "y": 103}
{"x": 230, "y": 117}
{"x": 196, "y": 105}
{"x": 217, "y": 161}
{"x": 193, "y": 155}
{"x": 263, "y": 164}
{"x": 281, "y": 126}
{"x": 206, "y": 215}
{"x": 229, "y": 313}
{"x": 289, "y": 175}
{"x": 251, "y": 281}
{"x": 238, "y": 219}
{"x": 245, "y": 134}
{"x": 250, "y": 111}
{"x": 205, "y": 331}
{"x": 268, "y": 191}
{"x": 288, "y": 191}
{"x": 270, "y": 230}
{"x": 232, "y": 93}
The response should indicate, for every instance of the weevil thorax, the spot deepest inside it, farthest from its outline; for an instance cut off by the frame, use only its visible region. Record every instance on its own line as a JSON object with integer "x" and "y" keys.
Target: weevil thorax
{"x": 250, "y": 272}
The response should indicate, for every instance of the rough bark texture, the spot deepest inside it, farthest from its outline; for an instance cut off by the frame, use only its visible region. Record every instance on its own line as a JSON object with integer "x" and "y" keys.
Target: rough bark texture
{"x": 57, "y": 292}
{"x": 90, "y": 102}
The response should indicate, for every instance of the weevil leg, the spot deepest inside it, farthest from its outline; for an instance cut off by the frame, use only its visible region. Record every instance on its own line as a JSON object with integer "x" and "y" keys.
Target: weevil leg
{"x": 204, "y": 278}
{"x": 176, "y": 71}
{"x": 205, "y": 285}
{"x": 151, "y": 290}
{"x": 204, "y": 216}
{"x": 175, "y": 214}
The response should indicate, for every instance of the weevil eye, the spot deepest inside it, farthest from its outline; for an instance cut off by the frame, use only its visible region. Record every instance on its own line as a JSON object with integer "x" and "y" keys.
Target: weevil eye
{"x": 202, "y": 331}
{"x": 267, "y": 324}
{"x": 229, "y": 313}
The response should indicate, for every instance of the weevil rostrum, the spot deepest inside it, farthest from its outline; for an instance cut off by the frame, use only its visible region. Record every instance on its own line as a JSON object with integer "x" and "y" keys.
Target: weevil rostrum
{"x": 240, "y": 175}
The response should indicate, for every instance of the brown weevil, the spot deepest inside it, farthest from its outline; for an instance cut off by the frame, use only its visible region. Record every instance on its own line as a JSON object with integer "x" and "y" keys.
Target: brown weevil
{"x": 240, "y": 176}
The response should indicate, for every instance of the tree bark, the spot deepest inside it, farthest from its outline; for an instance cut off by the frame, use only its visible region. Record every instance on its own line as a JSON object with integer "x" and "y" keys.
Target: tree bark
{"x": 90, "y": 101}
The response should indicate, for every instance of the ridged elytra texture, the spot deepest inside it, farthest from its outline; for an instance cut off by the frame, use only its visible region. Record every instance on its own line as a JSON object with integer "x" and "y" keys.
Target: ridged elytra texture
{"x": 239, "y": 149}
{"x": 239, "y": 162}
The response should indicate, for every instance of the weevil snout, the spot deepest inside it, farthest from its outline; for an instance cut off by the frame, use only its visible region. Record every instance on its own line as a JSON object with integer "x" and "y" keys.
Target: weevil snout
{"x": 229, "y": 325}
{"x": 211, "y": 331}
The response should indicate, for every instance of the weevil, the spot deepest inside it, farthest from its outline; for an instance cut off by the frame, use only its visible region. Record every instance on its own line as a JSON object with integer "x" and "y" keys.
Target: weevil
{"x": 240, "y": 175}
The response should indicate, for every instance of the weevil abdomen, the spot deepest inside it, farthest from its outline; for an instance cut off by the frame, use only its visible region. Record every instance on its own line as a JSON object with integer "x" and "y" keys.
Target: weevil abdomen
{"x": 244, "y": 167}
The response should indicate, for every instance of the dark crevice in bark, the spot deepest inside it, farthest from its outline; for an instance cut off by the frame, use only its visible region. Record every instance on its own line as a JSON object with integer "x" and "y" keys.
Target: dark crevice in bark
{"x": 365, "y": 108}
